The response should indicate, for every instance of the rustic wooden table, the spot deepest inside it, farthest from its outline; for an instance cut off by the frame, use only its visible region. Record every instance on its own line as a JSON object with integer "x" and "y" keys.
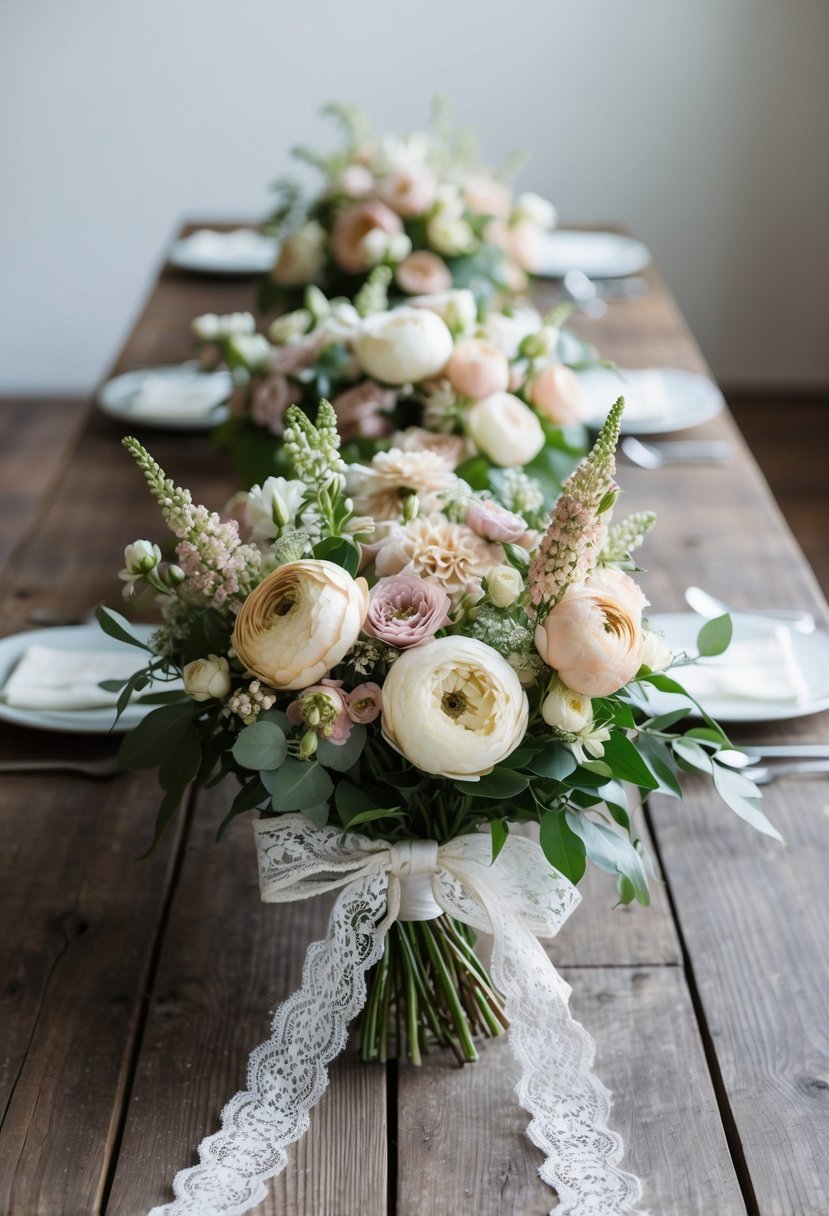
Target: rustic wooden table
{"x": 132, "y": 991}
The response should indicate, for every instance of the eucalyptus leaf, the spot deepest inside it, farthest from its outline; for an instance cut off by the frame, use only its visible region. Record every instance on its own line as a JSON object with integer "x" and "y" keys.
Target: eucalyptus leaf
{"x": 625, "y": 762}
{"x": 612, "y": 852}
{"x": 341, "y": 757}
{"x": 260, "y": 746}
{"x": 298, "y": 785}
{"x": 743, "y": 797}
{"x": 562, "y": 847}
{"x": 691, "y": 754}
{"x": 499, "y": 832}
{"x": 715, "y": 636}
{"x": 118, "y": 627}
{"x": 555, "y": 763}
{"x": 501, "y": 783}
{"x": 157, "y": 736}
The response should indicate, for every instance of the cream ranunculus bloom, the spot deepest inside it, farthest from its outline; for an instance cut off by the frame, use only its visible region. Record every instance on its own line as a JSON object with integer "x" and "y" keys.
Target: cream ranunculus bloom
{"x": 403, "y": 346}
{"x": 300, "y": 622}
{"x": 207, "y": 678}
{"x": 454, "y": 708}
{"x": 593, "y": 636}
{"x": 505, "y": 429}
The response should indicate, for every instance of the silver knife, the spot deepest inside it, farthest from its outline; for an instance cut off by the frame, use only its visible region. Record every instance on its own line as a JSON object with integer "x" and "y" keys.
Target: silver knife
{"x": 807, "y": 751}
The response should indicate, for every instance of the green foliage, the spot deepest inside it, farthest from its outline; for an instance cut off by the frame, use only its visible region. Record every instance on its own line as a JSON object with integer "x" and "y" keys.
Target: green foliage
{"x": 715, "y": 636}
{"x": 563, "y": 848}
{"x": 261, "y": 746}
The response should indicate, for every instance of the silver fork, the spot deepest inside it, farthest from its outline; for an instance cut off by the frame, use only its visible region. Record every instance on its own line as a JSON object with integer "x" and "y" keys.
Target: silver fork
{"x": 108, "y": 766}
{"x": 765, "y": 774}
{"x": 676, "y": 451}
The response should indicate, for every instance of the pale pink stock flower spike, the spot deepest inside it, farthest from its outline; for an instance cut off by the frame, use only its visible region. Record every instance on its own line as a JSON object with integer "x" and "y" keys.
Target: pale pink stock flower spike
{"x": 576, "y": 531}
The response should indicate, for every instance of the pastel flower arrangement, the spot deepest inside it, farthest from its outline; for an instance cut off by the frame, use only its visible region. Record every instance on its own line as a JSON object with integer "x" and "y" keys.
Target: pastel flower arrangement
{"x": 382, "y": 646}
{"x": 423, "y": 204}
{"x": 486, "y": 391}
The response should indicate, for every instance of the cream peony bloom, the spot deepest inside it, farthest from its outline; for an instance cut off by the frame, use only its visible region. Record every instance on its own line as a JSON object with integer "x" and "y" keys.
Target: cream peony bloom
{"x": 207, "y": 678}
{"x": 566, "y": 710}
{"x": 505, "y": 429}
{"x": 403, "y": 346}
{"x": 300, "y": 622}
{"x": 593, "y": 635}
{"x": 454, "y": 708}
{"x": 381, "y": 488}
{"x": 434, "y": 547}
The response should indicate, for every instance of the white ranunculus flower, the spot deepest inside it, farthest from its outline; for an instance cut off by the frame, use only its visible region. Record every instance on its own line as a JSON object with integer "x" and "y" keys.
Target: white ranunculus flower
{"x": 504, "y": 584}
{"x": 656, "y": 653}
{"x": 566, "y": 710}
{"x": 531, "y": 206}
{"x": 507, "y": 333}
{"x": 505, "y": 429}
{"x": 207, "y": 678}
{"x": 454, "y": 708}
{"x": 450, "y": 236}
{"x": 403, "y": 346}
{"x": 272, "y": 506}
{"x": 457, "y": 307}
{"x": 300, "y": 622}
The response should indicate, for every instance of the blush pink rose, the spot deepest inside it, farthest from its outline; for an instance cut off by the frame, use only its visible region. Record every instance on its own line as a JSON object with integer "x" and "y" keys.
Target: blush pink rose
{"x": 423, "y": 273}
{"x": 411, "y": 193}
{"x": 477, "y": 369}
{"x": 362, "y": 411}
{"x": 593, "y": 636}
{"x": 557, "y": 395}
{"x": 364, "y": 703}
{"x": 404, "y": 610}
{"x": 493, "y": 522}
{"x": 353, "y": 225}
{"x": 270, "y": 400}
{"x": 488, "y": 196}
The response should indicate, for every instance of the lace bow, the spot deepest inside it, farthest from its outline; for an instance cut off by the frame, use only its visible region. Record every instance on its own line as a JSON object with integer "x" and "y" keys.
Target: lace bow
{"x": 516, "y": 899}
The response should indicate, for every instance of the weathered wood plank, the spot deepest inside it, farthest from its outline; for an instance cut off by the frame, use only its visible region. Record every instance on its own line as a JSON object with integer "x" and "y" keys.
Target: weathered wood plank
{"x": 80, "y": 919}
{"x": 464, "y": 1133}
{"x": 226, "y": 961}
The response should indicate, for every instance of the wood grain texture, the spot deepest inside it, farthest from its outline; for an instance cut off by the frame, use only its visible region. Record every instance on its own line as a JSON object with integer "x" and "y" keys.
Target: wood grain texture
{"x": 227, "y": 960}
{"x": 457, "y": 1157}
{"x": 80, "y": 918}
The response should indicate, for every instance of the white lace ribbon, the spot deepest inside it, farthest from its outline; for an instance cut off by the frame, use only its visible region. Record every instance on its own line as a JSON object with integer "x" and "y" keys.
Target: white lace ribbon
{"x": 517, "y": 899}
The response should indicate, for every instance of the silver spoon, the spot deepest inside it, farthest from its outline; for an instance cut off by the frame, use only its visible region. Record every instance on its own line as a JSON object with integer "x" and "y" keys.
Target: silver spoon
{"x": 107, "y": 767}
{"x": 708, "y": 606}
{"x": 765, "y": 774}
{"x": 678, "y": 451}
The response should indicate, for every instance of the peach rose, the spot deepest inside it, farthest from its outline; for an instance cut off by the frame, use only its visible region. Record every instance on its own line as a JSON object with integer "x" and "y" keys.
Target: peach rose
{"x": 593, "y": 636}
{"x": 409, "y": 193}
{"x": 353, "y": 225}
{"x": 362, "y": 411}
{"x": 488, "y": 196}
{"x": 477, "y": 368}
{"x": 557, "y": 395}
{"x": 423, "y": 273}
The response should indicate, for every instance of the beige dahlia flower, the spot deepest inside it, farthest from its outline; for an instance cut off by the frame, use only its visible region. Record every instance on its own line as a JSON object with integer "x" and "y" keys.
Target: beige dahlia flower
{"x": 434, "y": 547}
{"x": 381, "y": 488}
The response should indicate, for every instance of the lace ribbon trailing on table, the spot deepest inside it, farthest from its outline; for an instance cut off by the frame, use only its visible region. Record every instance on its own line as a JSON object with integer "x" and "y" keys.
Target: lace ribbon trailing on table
{"x": 517, "y": 899}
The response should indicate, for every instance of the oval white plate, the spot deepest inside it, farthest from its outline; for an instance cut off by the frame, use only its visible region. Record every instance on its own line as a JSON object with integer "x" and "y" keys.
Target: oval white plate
{"x": 121, "y": 397}
{"x": 811, "y": 652}
{"x": 657, "y": 400}
{"x": 242, "y": 251}
{"x": 599, "y": 255}
{"x": 89, "y": 636}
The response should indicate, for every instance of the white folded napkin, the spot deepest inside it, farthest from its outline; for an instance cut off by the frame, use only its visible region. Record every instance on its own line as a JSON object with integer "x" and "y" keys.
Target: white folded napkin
{"x": 48, "y": 679}
{"x": 162, "y": 396}
{"x": 752, "y": 669}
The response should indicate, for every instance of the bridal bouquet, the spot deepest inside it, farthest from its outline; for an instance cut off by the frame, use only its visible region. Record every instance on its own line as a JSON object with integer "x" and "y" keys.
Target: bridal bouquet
{"x": 486, "y": 392}
{"x": 422, "y": 204}
{"x": 399, "y": 671}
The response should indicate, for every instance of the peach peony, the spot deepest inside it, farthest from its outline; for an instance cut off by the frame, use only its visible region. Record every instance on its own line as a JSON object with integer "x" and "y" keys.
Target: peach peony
{"x": 403, "y": 346}
{"x": 477, "y": 368}
{"x": 557, "y": 395}
{"x": 409, "y": 193}
{"x": 353, "y": 225}
{"x": 423, "y": 273}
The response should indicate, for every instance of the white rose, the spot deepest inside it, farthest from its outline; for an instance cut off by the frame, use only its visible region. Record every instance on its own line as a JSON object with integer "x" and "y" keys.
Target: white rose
{"x": 207, "y": 678}
{"x": 504, "y": 585}
{"x": 566, "y": 710}
{"x": 531, "y": 206}
{"x": 272, "y": 506}
{"x": 457, "y": 307}
{"x": 233, "y": 323}
{"x": 292, "y": 325}
{"x": 454, "y": 708}
{"x": 403, "y": 346}
{"x": 141, "y": 557}
{"x": 254, "y": 350}
{"x": 656, "y": 653}
{"x": 301, "y": 257}
{"x": 505, "y": 429}
{"x": 450, "y": 236}
{"x": 507, "y": 333}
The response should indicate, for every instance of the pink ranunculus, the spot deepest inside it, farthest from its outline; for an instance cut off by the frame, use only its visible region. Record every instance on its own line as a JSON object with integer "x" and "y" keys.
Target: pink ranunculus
{"x": 477, "y": 369}
{"x": 593, "y": 636}
{"x": 487, "y": 196}
{"x": 362, "y": 411}
{"x": 363, "y": 703}
{"x": 270, "y": 400}
{"x": 557, "y": 395}
{"x": 411, "y": 193}
{"x": 423, "y": 273}
{"x": 494, "y": 522}
{"x": 405, "y": 610}
{"x": 353, "y": 225}
{"x": 334, "y": 721}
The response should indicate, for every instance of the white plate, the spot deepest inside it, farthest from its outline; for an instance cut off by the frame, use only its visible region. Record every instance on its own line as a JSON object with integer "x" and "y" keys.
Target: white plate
{"x": 657, "y": 400}
{"x": 599, "y": 255}
{"x": 172, "y": 389}
{"x": 89, "y": 636}
{"x": 242, "y": 251}
{"x": 811, "y": 651}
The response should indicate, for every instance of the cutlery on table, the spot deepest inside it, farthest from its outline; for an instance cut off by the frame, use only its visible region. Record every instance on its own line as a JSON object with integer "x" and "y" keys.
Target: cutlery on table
{"x": 750, "y": 753}
{"x": 708, "y": 606}
{"x": 51, "y": 617}
{"x": 677, "y": 451}
{"x": 765, "y": 774}
{"x": 98, "y": 769}
{"x": 583, "y": 291}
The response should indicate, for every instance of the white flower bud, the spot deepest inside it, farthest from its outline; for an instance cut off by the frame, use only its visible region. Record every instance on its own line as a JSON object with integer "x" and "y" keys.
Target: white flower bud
{"x": 254, "y": 350}
{"x": 292, "y": 325}
{"x": 504, "y": 585}
{"x": 399, "y": 247}
{"x": 205, "y": 679}
{"x": 141, "y": 557}
{"x": 566, "y": 710}
{"x": 206, "y": 327}
{"x": 449, "y": 236}
{"x": 656, "y": 653}
{"x": 531, "y": 206}
{"x": 374, "y": 246}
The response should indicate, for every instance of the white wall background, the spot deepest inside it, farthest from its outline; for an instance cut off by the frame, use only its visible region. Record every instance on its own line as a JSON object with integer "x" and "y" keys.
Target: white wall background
{"x": 700, "y": 123}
